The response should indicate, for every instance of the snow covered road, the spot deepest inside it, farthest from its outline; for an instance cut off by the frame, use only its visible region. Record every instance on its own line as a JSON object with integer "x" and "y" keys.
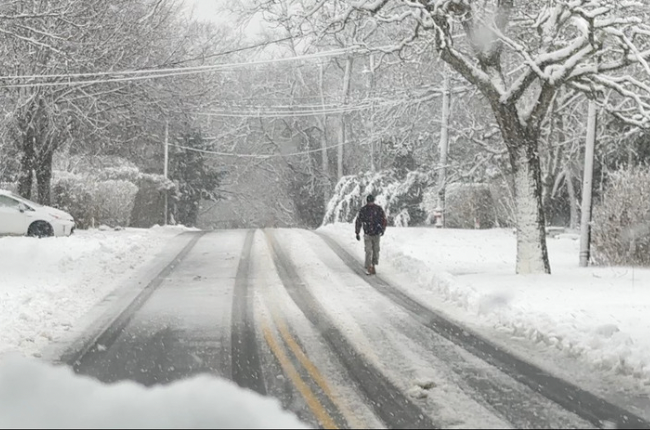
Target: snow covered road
{"x": 289, "y": 314}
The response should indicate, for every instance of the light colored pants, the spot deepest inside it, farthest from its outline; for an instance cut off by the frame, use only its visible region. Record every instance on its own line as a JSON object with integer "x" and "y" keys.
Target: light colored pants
{"x": 371, "y": 244}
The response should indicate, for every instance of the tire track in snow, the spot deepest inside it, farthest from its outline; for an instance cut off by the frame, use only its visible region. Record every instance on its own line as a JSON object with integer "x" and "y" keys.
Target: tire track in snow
{"x": 388, "y": 401}
{"x": 246, "y": 363}
{"x": 104, "y": 337}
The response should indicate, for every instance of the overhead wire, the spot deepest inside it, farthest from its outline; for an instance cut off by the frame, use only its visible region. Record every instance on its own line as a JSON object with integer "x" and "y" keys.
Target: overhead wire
{"x": 264, "y": 111}
{"x": 259, "y": 156}
{"x": 133, "y": 75}
{"x": 333, "y": 52}
{"x": 232, "y": 51}
{"x": 267, "y": 156}
{"x": 260, "y": 113}
{"x": 274, "y": 111}
{"x": 391, "y": 91}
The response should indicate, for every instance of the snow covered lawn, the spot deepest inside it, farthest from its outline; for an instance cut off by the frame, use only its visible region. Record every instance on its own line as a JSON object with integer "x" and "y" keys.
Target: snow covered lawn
{"x": 600, "y": 315}
{"x": 46, "y": 285}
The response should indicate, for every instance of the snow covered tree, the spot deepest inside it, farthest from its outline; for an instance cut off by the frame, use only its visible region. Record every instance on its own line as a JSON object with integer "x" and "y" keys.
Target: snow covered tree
{"x": 195, "y": 179}
{"x": 518, "y": 55}
{"x": 402, "y": 197}
{"x": 58, "y": 56}
{"x": 621, "y": 232}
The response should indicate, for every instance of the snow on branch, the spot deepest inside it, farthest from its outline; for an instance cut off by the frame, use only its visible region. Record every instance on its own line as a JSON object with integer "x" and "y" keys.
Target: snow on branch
{"x": 580, "y": 43}
{"x": 434, "y": 16}
{"x": 401, "y": 198}
{"x": 467, "y": 69}
{"x": 31, "y": 40}
{"x": 591, "y": 26}
{"x": 631, "y": 89}
{"x": 638, "y": 56}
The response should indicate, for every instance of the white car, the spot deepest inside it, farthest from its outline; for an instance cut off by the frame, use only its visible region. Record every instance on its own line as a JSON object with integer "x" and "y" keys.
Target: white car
{"x": 19, "y": 216}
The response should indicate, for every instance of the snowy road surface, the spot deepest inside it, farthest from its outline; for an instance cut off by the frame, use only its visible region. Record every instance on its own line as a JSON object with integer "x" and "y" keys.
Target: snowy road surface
{"x": 263, "y": 308}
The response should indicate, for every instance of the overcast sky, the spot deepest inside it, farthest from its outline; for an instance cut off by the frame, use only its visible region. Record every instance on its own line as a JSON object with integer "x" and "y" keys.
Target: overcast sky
{"x": 215, "y": 10}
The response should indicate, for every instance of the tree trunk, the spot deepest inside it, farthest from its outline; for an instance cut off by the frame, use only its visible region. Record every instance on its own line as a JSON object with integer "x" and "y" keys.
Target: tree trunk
{"x": 44, "y": 177}
{"x": 325, "y": 169}
{"x": 532, "y": 253}
{"x": 557, "y": 162}
{"x": 573, "y": 201}
{"x": 27, "y": 165}
{"x": 555, "y": 158}
{"x": 549, "y": 175}
{"x": 522, "y": 144}
{"x": 371, "y": 119}
{"x": 587, "y": 185}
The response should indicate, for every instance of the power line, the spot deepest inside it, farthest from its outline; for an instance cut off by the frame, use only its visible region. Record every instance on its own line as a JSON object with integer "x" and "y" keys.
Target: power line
{"x": 330, "y": 53}
{"x": 365, "y": 96}
{"x": 259, "y": 156}
{"x": 261, "y": 113}
{"x": 132, "y": 75}
{"x": 232, "y": 51}
{"x": 270, "y": 111}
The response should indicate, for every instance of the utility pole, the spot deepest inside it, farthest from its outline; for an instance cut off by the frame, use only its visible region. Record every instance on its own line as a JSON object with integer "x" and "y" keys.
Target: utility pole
{"x": 371, "y": 88}
{"x": 323, "y": 142}
{"x": 443, "y": 147}
{"x": 342, "y": 129}
{"x": 166, "y": 170}
{"x": 587, "y": 186}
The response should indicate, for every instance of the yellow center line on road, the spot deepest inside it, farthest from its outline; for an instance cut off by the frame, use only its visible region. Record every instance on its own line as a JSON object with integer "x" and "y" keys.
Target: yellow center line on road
{"x": 310, "y": 398}
{"x": 306, "y": 363}
{"x": 315, "y": 373}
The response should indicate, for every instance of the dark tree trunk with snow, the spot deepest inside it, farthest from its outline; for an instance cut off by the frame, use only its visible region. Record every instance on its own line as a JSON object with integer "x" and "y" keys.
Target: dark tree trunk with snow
{"x": 573, "y": 200}
{"x": 44, "y": 176}
{"x": 34, "y": 126}
{"x": 531, "y": 236}
{"x": 27, "y": 165}
{"x": 38, "y": 153}
{"x": 522, "y": 144}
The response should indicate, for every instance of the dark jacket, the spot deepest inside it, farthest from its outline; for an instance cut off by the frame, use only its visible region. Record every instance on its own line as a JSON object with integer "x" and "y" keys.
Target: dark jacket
{"x": 373, "y": 219}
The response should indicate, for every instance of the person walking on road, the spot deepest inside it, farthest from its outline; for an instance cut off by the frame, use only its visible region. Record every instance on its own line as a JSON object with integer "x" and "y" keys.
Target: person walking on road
{"x": 373, "y": 219}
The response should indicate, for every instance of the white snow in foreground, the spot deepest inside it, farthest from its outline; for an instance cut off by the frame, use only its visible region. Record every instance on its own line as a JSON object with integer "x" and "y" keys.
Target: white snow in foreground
{"x": 600, "y": 315}
{"x": 36, "y": 395}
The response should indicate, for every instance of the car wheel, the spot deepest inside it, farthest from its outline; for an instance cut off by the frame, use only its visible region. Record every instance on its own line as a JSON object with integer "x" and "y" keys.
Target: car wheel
{"x": 40, "y": 229}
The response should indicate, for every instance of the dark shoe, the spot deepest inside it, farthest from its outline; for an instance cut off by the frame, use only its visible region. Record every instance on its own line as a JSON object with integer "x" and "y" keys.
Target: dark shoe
{"x": 372, "y": 270}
